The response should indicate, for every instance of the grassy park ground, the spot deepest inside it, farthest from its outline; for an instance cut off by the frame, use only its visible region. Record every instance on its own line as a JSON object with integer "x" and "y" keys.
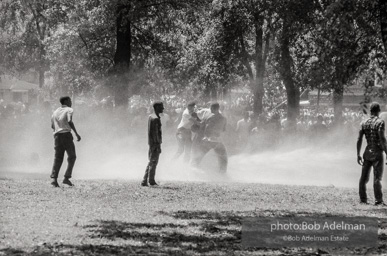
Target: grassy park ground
{"x": 110, "y": 217}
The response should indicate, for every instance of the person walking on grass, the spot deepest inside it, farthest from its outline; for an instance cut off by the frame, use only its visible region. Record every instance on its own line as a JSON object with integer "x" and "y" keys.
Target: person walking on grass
{"x": 373, "y": 128}
{"x": 154, "y": 142}
{"x": 62, "y": 124}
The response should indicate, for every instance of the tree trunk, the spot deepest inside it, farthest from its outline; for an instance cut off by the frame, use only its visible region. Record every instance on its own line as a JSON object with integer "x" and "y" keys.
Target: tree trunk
{"x": 42, "y": 66}
{"x": 41, "y": 77}
{"x": 214, "y": 93}
{"x": 338, "y": 95}
{"x": 383, "y": 22}
{"x": 124, "y": 37}
{"x": 210, "y": 92}
{"x": 41, "y": 24}
{"x": 259, "y": 67}
{"x": 41, "y": 69}
{"x": 122, "y": 56}
{"x": 292, "y": 90}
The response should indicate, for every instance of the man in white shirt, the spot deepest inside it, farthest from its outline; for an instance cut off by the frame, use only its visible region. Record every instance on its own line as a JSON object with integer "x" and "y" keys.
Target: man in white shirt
{"x": 198, "y": 130}
{"x": 184, "y": 134}
{"x": 62, "y": 124}
{"x": 243, "y": 130}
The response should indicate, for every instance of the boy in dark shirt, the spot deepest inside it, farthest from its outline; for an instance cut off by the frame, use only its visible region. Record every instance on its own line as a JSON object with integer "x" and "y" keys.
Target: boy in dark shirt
{"x": 373, "y": 128}
{"x": 214, "y": 126}
{"x": 154, "y": 142}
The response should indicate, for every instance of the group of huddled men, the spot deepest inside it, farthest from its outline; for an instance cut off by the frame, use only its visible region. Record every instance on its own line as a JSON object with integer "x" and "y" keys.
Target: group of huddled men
{"x": 198, "y": 132}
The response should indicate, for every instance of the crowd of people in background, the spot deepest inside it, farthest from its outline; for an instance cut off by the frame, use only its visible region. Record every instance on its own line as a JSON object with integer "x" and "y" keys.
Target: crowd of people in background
{"x": 250, "y": 133}
{"x": 245, "y": 131}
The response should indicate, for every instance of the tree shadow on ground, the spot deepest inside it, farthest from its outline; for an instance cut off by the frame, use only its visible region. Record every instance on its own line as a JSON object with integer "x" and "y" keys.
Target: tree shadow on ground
{"x": 208, "y": 235}
{"x": 195, "y": 233}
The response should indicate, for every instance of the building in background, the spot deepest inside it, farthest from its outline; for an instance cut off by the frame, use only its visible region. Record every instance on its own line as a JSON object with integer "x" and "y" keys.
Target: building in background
{"x": 13, "y": 90}
{"x": 354, "y": 95}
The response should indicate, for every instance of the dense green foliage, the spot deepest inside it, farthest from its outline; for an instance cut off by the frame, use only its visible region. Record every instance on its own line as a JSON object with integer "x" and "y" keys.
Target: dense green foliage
{"x": 201, "y": 48}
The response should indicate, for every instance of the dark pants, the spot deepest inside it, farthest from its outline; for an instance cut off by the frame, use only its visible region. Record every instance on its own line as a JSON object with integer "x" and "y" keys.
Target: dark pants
{"x": 63, "y": 143}
{"x": 205, "y": 146}
{"x": 150, "y": 172}
{"x": 377, "y": 165}
{"x": 184, "y": 140}
{"x": 195, "y": 148}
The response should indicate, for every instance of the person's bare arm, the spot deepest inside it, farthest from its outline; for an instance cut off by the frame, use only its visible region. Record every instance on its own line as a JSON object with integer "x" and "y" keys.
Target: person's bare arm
{"x": 383, "y": 140}
{"x": 358, "y": 146}
{"x": 52, "y": 124}
{"x": 75, "y": 130}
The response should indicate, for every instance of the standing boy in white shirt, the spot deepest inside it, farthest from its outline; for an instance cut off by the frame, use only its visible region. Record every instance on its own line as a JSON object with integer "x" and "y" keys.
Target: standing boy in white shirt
{"x": 62, "y": 124}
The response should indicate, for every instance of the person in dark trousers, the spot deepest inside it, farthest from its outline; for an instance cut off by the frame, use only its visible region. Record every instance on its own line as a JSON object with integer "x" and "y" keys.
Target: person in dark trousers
{"x": 184, "y": 134}
{"x": 373, "y": 128}
{"x": 154, "y": 141}
{"x": 214, "y": 126}
{"x": 62, "y": 124}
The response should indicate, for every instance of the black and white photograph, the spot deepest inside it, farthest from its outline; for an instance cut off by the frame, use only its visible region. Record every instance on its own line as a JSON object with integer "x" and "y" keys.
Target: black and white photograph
{"x": 193, "y": 127}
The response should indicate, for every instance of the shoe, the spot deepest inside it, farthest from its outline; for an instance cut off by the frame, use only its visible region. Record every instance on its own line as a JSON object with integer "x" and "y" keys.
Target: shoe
{"x": 364, "y": 202}
{"x": 144, "y": 184}
{"x": 154, "y": 184}
{"x": 380, "y": 204}
{"x": 67, "y": 182}
{"x": 55, "y": 184}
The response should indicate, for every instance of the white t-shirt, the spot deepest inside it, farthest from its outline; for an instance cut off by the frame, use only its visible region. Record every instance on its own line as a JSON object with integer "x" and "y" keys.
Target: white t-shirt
{"x": 186, "y": 120}
{"x": 61, "y": 118}
{"x": 243, "y": 127}
{"x": 204, "y": 113}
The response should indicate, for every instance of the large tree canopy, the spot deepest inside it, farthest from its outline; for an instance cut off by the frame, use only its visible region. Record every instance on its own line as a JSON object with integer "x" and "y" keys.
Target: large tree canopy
{"x": 201, "y": 48}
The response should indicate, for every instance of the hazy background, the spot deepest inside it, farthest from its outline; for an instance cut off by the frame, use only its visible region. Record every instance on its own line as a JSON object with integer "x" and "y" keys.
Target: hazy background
{"x": 113, "y": 149}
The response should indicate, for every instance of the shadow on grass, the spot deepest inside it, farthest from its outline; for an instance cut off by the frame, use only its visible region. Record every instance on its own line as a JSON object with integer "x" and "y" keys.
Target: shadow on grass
{"x": 209, "y": 233}
{"x": 166, "y": 187}
{"x": 195, "y": 233}
{"x": 202, "y": 233}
